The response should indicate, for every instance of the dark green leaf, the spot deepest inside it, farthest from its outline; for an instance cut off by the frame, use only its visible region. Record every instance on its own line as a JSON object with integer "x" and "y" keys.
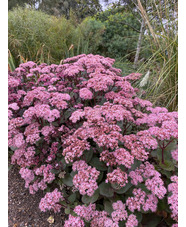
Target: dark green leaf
{"x": 13, "y": 148}
{"x": 10, "y": 167}
{"x": 100, "y": 177}
{"x": 136, "y": 164}
{"x": 121, "y": 223}
{"x": 72, "y": 198}
{"x": 98, "y": 164}
{"x": 123, "y": 189}
{"x": 64, "y": 164}
{"x": 166, "y": 173}
{"x": 91, "y": 199}
{"x": 143, "y": 187}
{"x": 88, "y": 155}
{"x": 55, "y": 171}
{"x": 72, "y": 174}
{"x": 108, "y": 206}
{"x": 168, "y": 165}
{"x": 106, "y": 189}
{"x": 56, "y": 124}
{"x": 151, "y": 220}
{"x": 138, "y": 216}
{"x": 67, "y": 210}
{"x": 68, "y": 180}
{"x": 163, "y": 206}
{"x": 172, "y": 146}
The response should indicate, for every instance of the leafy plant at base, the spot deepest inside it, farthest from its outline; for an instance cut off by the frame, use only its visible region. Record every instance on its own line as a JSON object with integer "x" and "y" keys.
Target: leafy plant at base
{"x": 79, "y": 132}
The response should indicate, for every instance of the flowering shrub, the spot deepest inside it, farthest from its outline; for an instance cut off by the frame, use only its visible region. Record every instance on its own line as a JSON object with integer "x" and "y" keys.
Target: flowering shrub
{"x": 79, "y": 132}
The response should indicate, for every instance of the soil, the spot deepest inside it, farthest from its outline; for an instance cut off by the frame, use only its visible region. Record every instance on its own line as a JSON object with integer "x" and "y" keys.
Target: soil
{"x": 23, "y": 208}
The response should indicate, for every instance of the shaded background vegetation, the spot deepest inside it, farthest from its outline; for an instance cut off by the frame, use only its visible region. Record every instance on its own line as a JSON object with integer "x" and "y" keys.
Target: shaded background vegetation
{"x": 140, "y": 35}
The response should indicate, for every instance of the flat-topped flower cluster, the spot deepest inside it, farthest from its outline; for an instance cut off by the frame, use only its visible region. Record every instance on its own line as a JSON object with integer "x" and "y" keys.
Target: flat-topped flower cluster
{"x": 80, "y": 132}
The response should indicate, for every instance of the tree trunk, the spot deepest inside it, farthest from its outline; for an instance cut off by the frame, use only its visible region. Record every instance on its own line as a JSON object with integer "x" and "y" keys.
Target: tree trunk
{"x": 139, "y": 44}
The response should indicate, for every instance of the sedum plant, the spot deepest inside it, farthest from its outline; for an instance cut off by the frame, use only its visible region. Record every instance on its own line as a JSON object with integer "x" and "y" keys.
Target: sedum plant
{"x": 79, "y": 132}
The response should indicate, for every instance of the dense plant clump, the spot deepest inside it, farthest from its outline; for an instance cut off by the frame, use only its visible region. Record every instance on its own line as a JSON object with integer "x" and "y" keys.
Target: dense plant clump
{"x": 39, "y": 37}
{"x": 80, "y": 132}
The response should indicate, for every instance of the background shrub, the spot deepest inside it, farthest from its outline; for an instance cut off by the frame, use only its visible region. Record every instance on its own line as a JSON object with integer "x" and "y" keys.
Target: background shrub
{"x": 121, "y": 34}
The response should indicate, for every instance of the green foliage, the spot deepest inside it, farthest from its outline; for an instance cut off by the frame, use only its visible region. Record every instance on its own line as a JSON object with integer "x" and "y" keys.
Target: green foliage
{"x": 27, "y": 37}
{"x": 91, "y": 199}
{"x": 58, "y": 8}
{"x": 11, "y": 64}
{"x": 108, "y": 206}
{"x": 121, "y": 34}
{"x": 123, "y": 189}
{"x": 14, "y": 3}
{"x": 68, "y": 180}
{"x": 162, "y": 39}
{"x": 34, "y": 35}
{"x": 106, "y": 190}
{"x": 90, "y": 32}
{"x": 98, "y": 164}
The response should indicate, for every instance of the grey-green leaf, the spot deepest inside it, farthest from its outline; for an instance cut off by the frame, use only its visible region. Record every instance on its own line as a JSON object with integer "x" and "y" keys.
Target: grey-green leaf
{"x": 106, "y": 190}
{"x": 91, "y": 199}
{"x": 108, "y": 206}
{"x": 68, "y": 180}
{"x": 123, "y": 189}
{"x": 98, "y": 164}
{"x": 72, "y": 198}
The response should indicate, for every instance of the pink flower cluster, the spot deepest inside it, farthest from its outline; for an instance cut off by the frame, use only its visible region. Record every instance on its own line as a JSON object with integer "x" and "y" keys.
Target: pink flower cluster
{"x": 27, "y": 175}
{"x": 74, "y": 148}
{"x": 85, "y": 212}
{"x": 59, "y": 100}
{"x": 25, "y": 156}
{"x": 45, "y": 171}
{"x": 175, "y": 154}
{"x": 141, "y": 200}
{"x": 41, "y": 111}
{"x": 85, "y": 93}
{"x": 153, "y": 181}
{"x": 104, "y": 134}
{"x": 173, "y": 199}
{"x": 119, "y": 213}
{"x": 90, "y": 214}
{"x": 102, "y": 218}
{"x": 85, "y": 179}
{"x": 118, "y": 157}
{"x": 74, "y": 221}
{"x": 117, "y": 177}
{"x": 132, "y": 221}
{"x": 135, "y": 203}
{"x": 51, "y": 201}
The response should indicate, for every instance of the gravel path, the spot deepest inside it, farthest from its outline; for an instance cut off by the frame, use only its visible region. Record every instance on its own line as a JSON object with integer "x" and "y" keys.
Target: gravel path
{"x": 23, "y": 208}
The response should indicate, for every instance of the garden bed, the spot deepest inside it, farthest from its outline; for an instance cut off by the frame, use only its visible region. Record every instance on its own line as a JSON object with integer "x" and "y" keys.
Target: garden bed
{"x": 23, "y": 208}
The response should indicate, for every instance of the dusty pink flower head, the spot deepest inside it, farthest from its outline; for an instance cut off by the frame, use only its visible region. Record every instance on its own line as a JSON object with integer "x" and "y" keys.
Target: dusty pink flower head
{"x": 51, "y": 201}
{"x": 74, "y": 222}
{"x": 18, "y": 140}
{"x": 119, "y": 212}
{"x": 85, "y": 93}
{"x": 132, "y": 221}
{"x": 135, "y": 203}
{"x": 173, "y": 199}
{"x": 117, "y": 177}
{"x": 74, "y": 148}
{"x": 175, "y": 154}
{"x": 27, "y": 175}
{"x": 84, "y": 212}
{"x": 85, "y": 179}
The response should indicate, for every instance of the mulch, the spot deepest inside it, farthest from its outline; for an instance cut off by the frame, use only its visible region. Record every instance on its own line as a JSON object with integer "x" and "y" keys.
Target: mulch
{"x": 23, "y": 208}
